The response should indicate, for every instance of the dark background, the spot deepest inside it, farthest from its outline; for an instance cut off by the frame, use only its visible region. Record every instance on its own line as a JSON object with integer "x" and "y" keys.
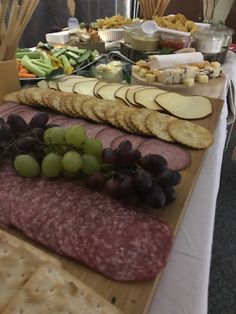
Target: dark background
{"x": 50, "y": 13}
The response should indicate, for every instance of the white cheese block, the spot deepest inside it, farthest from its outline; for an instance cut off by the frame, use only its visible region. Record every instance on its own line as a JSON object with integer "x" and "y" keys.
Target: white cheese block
{"x": 58, "y": 38}
{"x": 159, "y": 62}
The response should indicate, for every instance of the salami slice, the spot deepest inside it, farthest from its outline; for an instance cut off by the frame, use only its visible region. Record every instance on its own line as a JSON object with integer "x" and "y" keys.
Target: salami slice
{"x": 177, "y": 157}
{"x": 106, "y": 136}
{"x": 134, "y": 139}
{"x": 120, "y": 241}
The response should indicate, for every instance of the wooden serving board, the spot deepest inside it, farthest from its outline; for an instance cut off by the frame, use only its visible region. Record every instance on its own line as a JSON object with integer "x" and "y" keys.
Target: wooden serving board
{"x": 135, "y": 298}
{"x": 214, "y": 88}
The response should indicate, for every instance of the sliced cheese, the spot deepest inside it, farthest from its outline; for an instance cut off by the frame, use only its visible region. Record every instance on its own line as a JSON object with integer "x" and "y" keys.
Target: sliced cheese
{"x": 85, "y": 87}
{"x": 145, "y": 97}
{"x": 122, "y": 91}
{"x": 67, "y": 84}
{"x": 97, "y": 86}
{"x": 185, "y": 107}
{"x": 108, "y": 91}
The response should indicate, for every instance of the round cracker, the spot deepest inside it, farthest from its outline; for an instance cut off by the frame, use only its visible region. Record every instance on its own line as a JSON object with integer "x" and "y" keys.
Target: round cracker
{"x": 121, "y": 121}
{"x": 190, "y": 134}
{"x": 109, "y": 114}
{"x": 138, "y": 120}
{"x": 77, "y": 106}
{"x": 87, "y": 109}
{"x": 157, "y": 124}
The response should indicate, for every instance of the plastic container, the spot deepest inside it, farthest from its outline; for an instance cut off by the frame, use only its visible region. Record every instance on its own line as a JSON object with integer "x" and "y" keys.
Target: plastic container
{"x": 209, "y": 41}
{"x": 144, "y": 42}
{"x": 174, "y": 41}
{"x": 128, "y": 30}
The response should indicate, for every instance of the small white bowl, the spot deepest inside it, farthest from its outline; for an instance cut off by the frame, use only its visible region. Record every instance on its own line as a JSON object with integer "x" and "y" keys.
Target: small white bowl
{"x": 111, "y": 34}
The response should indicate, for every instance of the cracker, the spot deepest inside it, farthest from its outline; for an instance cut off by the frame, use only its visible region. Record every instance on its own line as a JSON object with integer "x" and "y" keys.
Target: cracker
{"x": 37, "y": 95}
{"x": 77, "y": 106}
{"x": 157, "y": 124}
{"x": 99, "y": 109}
{"x": 138, "y": 120}
{"x": 21, "y": 96}
{"x": 15, "y": 270}
{"x": 87, "y": 109}
{"x": 29, "y": 96}
{"x": 46, "y": 96}
{"x": 120, "y": 117}
{"x": 52, "y": 290}
{"x": 190, "y": 134}
{"x": 109, "y": 114}
{"x": 67, "y": 104}
{"x": 11, "y": 97}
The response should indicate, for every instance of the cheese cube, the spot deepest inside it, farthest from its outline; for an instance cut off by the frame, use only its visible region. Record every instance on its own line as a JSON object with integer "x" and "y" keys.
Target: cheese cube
{"x": 189, "y": 82}
{"x": 177, "y": 76}
{"x": 189, "y": 71}
{"x": 202, "y": 79}
{"x": 150, "y": 77}
{"x": 135, "y": 68}
{"x": 165, "y": 76}
{"x": 142, "y": 72}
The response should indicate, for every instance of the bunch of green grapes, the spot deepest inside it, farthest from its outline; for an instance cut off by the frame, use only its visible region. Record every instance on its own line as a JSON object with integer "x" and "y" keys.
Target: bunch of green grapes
{"x": 66, "y": 151}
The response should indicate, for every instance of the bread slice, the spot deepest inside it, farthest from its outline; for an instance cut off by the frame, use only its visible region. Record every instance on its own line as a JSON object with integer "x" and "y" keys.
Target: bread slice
{"x": 52, "y": 290}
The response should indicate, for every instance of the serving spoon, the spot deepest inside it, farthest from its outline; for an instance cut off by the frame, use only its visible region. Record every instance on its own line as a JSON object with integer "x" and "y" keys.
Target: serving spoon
{"x": 151, "y": 27}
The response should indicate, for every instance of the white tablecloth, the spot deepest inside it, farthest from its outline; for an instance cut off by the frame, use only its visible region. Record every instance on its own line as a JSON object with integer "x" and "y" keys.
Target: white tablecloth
{"x": 183, "y": 287}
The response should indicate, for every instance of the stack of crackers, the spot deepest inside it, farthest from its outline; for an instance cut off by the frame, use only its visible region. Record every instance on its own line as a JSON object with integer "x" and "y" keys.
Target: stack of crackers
{"x": 32, "y": 282}
{"x": 133, "y": 120}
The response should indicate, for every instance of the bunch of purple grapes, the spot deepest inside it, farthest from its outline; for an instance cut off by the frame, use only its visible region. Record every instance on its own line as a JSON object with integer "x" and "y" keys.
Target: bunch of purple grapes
{"x": 17, "y": 136}
{"x": 127, "y": 175}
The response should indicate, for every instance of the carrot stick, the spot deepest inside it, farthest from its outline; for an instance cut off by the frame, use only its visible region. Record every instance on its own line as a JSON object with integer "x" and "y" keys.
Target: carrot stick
{"x": 26, "y": 75}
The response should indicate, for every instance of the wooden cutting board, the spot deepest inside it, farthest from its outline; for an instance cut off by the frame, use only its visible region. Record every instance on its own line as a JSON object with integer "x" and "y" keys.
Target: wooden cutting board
{"x": 135, "y": 298}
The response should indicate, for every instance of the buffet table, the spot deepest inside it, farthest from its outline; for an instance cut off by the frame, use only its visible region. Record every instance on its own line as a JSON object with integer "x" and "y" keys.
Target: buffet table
{"x": 183, "y": 287}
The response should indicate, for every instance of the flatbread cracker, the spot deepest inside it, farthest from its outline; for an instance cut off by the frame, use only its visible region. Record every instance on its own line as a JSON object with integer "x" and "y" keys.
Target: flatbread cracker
{"x": 15, "y": 270}
{"x": 190, "y": 134}
{"x": 52, "y": 290}
{"x": 157, "y": 124}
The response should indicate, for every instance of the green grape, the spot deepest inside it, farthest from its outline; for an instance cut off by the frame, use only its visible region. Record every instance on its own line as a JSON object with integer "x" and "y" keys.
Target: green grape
{"x": 93, "y": 146}
{"x": 55, "y": 135}
{"x": 26, "y": 166}
{"x": 76, "y": 135}
{"x": 90, "y": 164}
{"x": 51, "y": 165}
{"x": 71, "y": 162}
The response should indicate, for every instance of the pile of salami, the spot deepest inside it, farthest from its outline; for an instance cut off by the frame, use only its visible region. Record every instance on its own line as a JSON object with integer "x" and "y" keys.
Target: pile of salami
{"x": 120, "y": 241}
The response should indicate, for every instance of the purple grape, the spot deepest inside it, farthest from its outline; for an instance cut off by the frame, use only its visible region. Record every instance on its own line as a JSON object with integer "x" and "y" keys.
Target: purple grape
{"x": 6, "y": 132}
{"x": 155, "y": 196}
{"x": 17, "y": 123}
{"x": 36, "y": 133}
{"x": 170, "y": 194}
{"x": 142, "y": 180}
{"x": 154, "y": 164}
{"x": 113, "y": 188}
{"x": 108, "y": 156}
{"x": 39, "y": 120}
{"x": 96, "y": 181}
{"x": 135, "y": 155}
{"x": 169, "y": 178}
{"x": 126, "y": 187}
{"x": 26, "y": 143}
{"x": 125, "y": 146}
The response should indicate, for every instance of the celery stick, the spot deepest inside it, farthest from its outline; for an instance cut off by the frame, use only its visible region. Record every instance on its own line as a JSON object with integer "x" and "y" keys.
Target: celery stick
{"x": 30, "y": 54}
{"x": 60, "y": 52}
{"x": 72, "y": 61}
{"x": 41, "y": 64}
{"x": 73, "y": 55}
{"x": 26, "y": 62}
{"x": 66, "y": 64}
